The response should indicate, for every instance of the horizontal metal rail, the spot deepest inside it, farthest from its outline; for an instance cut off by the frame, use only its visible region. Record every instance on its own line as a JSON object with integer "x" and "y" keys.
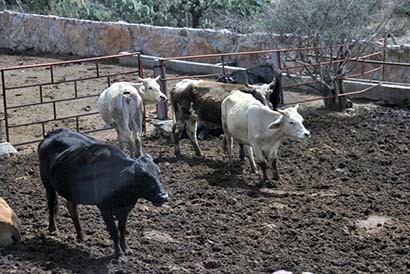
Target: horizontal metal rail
{"x": 77, "y": 61}
{"x": 54, "y": 119}
{"x": 53, "y": 101}
{"x": 333, "y": 96}
{"x": 71, "y": 80}
{"x": 235, "y": 53}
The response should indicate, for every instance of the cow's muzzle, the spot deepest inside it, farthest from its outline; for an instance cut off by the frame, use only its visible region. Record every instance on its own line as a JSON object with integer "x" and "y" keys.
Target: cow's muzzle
{"x": 160, "y": 199}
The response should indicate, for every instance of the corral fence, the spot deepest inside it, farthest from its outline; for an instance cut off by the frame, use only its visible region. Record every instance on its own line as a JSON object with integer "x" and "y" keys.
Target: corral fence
{"x": 49, "y": 95}
{"x": 280, "y": 57}
{"x": 45, "y": 119}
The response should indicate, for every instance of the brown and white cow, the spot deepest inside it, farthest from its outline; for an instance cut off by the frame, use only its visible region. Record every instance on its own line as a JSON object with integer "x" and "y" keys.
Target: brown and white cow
{"x": 10, "y": 227}
{"x": 122, "y": 107}
{"x": 260, "y": 129}
{"x": 200, "y": 100}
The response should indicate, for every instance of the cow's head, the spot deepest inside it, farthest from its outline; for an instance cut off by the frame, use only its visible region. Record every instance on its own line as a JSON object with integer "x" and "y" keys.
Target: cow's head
{"x": 145, "y": 175}
{"x": 291, "y": 123}
{"x": 262, "y": 92}
{"x": 152, "y": 93}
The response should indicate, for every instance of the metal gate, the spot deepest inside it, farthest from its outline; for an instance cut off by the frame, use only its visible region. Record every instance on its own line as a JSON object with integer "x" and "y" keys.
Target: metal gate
{"x": 44, "y": 99}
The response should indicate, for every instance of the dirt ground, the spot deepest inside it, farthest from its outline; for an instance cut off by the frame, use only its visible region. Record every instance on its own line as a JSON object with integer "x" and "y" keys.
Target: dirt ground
{"x": 342, "y": 205}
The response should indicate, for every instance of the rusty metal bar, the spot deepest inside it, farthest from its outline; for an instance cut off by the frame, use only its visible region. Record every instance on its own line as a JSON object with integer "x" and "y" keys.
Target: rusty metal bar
{"x": 235, "y": 53}
{"x": 51, "y": 74}
{"x": 384, "y": 58}
{"x": 72, "y": 61}
{"x": 223, "y": 65}
{"x": 363, "y": 73}
{"x": 190, "y": 76}
{"x": 75, "y": 90}
{"x": 77, "y": 124}
{"x": 51, "y": 120}
{"x": 301, "y": 84}
{"x": 385, "y": 63}
{"x": 72, "y": 80}
{"x": 54, "y": 101}
{"x": 43, "y": 129}
{"x": 41, "y": 93}
{"x": 329, "y": 97}
{"x": 6, "y": 118}
{"x": 54, "y": 111}
{"x": 371, "y": 55}
{"x": 97, "y": 70}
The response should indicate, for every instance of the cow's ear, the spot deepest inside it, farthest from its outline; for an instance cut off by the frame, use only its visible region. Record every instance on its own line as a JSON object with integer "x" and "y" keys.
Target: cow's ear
{"x": 276, "y": 124}
{"x": 147, "y": 155}
{"x": 157, "y": 78}
{"x": 296, "y": 107}
{"x": 139, "y": 79}
{"x": 273, "y": 83}
{"x": 280, "y": 111}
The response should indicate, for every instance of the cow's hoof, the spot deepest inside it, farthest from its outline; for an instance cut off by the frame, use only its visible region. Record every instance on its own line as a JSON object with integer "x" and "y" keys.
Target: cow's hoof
{"x": 275, "y": 177}
{"x": 119, "y": 257}
{"x": 53, "y": 230}
{"x": 81, "y": 237}
{"x": 126, "y": 249}
{"x": 264, "y": 183}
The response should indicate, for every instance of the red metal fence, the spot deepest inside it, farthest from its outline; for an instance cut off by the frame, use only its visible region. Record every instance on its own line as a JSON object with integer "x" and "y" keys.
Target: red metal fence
{"x": 281, "y": 61}
{"x": 54, "y": 81}
{"x": 280, "y": 57}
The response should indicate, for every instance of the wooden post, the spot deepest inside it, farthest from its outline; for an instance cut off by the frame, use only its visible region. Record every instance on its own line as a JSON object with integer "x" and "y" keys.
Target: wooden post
{"x": 162, "y": 107}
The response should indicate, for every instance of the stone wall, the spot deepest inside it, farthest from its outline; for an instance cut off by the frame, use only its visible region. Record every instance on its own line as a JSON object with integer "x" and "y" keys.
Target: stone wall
{"x": 51, "y": 34}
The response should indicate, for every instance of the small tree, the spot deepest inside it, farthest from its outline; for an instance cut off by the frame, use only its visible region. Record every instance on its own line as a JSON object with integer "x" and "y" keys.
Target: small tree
{"x": 339, "y": 29}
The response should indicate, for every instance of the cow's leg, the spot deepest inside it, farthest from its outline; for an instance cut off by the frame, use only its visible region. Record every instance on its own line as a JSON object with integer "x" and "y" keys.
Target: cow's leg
{"x": 249, "y": 153}
{"x": 124, "y": 138}
{"x": 137, "y": 129}
{"x": 262, "y": 163}
{"x": 273, "y": 159}
{"x": 241, "y": 152}
{"x": 275, "y": 173}
{"x": 113, "y": 230}
{"x": 229, "y": 146}
{"x": 177, "y": 129}
{"x": 191, "y": 131}
{"x": 122, "y": 227}
{"x": 72, "y": 208}
{"x": 52, "y": 205}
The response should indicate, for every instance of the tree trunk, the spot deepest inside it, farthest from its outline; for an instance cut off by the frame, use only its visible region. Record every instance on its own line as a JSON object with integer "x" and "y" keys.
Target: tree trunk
{"x": 337, "y": 103}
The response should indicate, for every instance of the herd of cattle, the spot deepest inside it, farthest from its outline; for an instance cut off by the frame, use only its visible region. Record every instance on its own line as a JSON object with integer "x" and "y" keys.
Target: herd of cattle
{"x": 87, "y": 171}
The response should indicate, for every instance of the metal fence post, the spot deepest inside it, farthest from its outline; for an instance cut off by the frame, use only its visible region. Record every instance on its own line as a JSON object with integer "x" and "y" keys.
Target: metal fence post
{"x": 1, "y": 127}
{"x": 162, "y": 107}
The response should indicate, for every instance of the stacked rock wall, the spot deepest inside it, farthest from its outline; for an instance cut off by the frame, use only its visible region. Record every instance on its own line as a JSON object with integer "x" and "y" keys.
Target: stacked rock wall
{"x": 52, "y": 34}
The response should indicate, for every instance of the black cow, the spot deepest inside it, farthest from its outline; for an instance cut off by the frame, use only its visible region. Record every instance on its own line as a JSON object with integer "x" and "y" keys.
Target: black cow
{"x": 264, "y": 73}
{"x": 86, "y": 171}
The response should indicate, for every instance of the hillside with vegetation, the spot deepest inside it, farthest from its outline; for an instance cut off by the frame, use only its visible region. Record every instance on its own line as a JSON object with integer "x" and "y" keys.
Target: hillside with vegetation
{"x": 235, "y": 15}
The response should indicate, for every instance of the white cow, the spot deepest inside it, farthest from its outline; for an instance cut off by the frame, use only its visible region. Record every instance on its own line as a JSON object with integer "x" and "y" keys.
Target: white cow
{"x": 122, "y": 107}
{"x": 259, "y": 129}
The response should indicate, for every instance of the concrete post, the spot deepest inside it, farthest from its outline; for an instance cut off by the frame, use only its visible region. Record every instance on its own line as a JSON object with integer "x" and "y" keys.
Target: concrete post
{"x": 162, "y": 108}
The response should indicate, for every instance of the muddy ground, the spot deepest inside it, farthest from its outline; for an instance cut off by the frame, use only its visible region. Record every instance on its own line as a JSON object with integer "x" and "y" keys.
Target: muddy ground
{"x": 354, "y": 168}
